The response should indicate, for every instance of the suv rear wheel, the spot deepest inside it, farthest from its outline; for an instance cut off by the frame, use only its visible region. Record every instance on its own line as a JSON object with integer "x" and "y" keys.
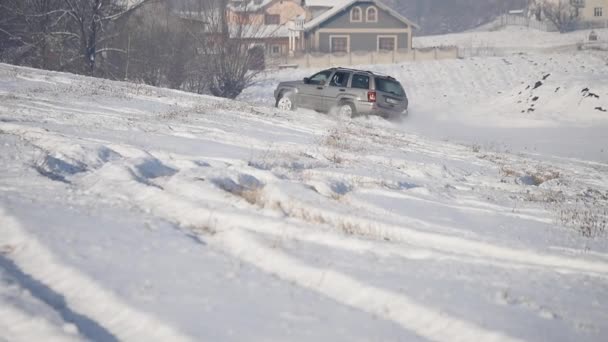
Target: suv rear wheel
{"x": 346, "y": 109}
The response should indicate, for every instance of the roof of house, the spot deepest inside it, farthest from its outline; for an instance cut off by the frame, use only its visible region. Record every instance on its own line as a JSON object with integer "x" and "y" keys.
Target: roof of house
{"x": 258, "y": 31}
{"x": 340, "y": 5}
{"x": 319, "y": 3}
{"x": 212, "y": 19}
{"x": 251, "y": 5}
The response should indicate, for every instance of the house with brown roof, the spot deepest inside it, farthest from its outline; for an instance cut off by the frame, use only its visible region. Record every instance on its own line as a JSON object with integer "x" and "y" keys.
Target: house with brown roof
{"x": 267, "y": 22}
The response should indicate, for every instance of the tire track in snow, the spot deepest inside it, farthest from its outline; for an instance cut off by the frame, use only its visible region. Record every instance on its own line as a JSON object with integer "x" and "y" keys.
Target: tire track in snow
{"x": 427, "y": 322}
{"x": 117, "y": 179}
{"x": 17, "y": 325}
{"x": 350, "y": 223}
{"x": 360, "y": 226}
{"x": 428, "y": 244}
{"x": 81, "y": 294}
{"x": 477, "y": 208}
{"x": 86, "y": 326}
{"x": 308, "y": 231}
{"x": 424, "y": 321}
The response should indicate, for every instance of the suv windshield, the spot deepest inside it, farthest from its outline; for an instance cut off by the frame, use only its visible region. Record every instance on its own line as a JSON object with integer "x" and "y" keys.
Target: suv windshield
{"x": 389, "y": 86}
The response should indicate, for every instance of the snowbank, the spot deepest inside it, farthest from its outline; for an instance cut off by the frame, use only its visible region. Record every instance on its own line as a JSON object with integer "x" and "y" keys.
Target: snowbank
{"x": 510, "y": 37}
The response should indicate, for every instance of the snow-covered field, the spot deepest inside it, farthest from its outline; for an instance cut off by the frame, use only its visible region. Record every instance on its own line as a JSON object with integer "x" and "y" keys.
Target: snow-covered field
{"x": 554, "y": 104}
{"x": 142, "y": 214}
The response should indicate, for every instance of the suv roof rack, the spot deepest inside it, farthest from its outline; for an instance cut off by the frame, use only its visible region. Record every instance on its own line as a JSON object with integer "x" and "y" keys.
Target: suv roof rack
{"x": 382, "y": 74}
{"x": 349, "y": 69}
{"x": 365, "y": 71}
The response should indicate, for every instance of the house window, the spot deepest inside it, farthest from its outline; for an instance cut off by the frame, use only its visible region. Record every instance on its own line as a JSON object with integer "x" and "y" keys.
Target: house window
{"x": 598, "y": 12}
{"x": 371, "y": 15}
{"x": 272, "y": 19}
{"x": 577, "y": 3}
{"x": 275, "y": 50}
{"x": 338, "y": 44}
{"x": 387, "y": 43}
{"x": 356, "y": 14}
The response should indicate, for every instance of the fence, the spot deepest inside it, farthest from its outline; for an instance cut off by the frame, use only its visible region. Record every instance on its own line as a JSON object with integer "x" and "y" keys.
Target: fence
{"x": 518, "y": 20}
{"x": 588, "y": 25}
{"x": 600, "y": 45}
{"x": 491, "y": 51}
{"x": 547, "y": 26}
{"x": 325, "y": 60}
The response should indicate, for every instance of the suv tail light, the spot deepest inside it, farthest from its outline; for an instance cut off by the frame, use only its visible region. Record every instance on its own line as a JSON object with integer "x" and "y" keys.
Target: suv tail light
{"x": 371, "y": 96}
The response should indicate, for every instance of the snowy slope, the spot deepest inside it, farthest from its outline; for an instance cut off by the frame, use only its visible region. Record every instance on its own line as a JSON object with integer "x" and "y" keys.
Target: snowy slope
{"x": 514, "y": 37}
{"x": 134, "y": 213}
{"x": 498, "y": 102}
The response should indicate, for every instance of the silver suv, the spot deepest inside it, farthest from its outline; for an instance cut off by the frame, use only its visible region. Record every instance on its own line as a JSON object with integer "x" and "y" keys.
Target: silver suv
{"x": 352, "y": 92}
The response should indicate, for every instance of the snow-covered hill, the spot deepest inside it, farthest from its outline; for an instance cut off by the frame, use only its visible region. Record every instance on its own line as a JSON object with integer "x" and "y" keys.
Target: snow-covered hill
{"x": 548, "y": 103}
{"x": 445, "y": 16}
{"x": 511, "y": 37}
{"x": 134, "y": 213}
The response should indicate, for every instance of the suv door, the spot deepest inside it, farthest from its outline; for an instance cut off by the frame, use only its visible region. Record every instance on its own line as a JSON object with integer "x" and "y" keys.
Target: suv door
{"x": 310, "y": 94}
{"x": 359, "y": 86}
{"x": 337, "y": 87}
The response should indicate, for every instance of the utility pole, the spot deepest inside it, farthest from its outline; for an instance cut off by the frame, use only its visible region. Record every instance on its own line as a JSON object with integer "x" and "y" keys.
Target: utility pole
{"x": 128, "y": 55}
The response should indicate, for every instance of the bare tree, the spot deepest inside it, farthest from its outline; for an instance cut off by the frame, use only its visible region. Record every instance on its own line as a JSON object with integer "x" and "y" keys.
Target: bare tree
{"x": 62, "y": 34}
{"x": 561, "y": 13}
{"x": 33, "y": 32}
{"x": 535, "y": 10}
{"x": 158, "y": 46}
{"x": 195, "y": 45}
{"x": 231, "y": 50}
{"x": 92, "y": 22}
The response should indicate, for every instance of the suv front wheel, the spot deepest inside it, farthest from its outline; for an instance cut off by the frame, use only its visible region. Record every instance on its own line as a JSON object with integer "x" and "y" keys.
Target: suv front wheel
{"x": 285, "y": 102}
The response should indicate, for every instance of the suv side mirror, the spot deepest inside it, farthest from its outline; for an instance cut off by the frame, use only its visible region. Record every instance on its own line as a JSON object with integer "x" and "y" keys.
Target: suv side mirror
{"x": 306, "y": 80}
{"x": 322, "y": 82}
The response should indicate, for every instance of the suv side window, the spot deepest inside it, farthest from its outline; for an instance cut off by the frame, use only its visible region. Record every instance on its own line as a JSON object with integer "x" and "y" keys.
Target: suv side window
{"x": 320, "y": 78}
{"x": 360, "y": 81}
{"x": 340, "y": 79}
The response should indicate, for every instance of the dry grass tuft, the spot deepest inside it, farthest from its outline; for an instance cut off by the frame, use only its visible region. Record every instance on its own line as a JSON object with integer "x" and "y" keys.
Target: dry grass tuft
{"x": 541, "y": 176}
{"x": 508, "y": 172}
{"x": 590, "y": 221}
{"x": 337, "y": 139}
{"x": 252, "y": 196}
{"x": 534, "y": 176}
